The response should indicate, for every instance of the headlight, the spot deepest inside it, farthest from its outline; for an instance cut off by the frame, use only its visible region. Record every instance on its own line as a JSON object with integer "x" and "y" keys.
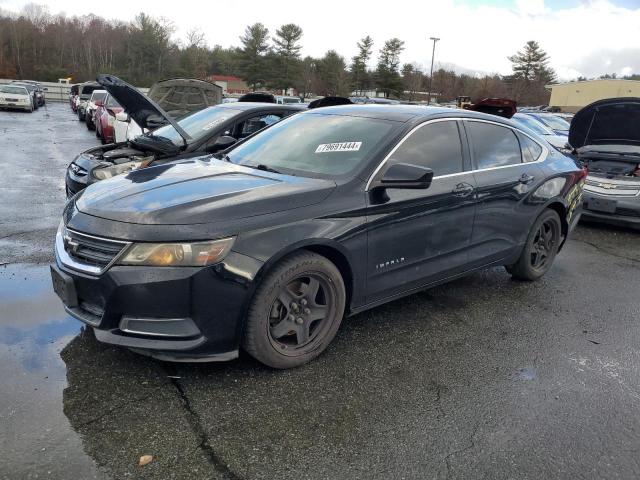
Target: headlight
{"x": 112, "y": 171}
{"x": 177, "y": 254}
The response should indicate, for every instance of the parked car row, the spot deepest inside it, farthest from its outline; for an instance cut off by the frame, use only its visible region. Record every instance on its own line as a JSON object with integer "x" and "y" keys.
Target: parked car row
{"x": 25, "y": 95}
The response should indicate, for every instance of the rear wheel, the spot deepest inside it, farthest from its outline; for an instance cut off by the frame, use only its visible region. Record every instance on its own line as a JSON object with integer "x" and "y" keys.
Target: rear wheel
{"x": 295, "y": 312}
{"x": 541, "y": 248}
{"x": 88, "y": 121}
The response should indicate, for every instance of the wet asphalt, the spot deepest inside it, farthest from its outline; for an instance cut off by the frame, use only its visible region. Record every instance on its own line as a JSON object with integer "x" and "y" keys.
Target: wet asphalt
{"x": 484, "y": 377}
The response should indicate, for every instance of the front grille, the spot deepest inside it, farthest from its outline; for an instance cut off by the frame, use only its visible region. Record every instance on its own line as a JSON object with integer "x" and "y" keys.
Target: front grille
{"x": 90, "y": 250}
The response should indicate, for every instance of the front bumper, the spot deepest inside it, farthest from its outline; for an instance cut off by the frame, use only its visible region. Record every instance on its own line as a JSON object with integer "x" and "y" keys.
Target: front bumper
{"x": 616, "y": 210}
{"x": 170, "y": 313}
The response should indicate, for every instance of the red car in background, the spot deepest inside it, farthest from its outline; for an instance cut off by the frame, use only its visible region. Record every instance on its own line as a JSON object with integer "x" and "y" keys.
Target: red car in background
{"x": 104, "y": 119}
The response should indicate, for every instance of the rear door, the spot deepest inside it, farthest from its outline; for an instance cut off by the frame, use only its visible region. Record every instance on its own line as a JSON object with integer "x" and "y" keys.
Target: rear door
{"x": 419, "y": 236}
{"x": 506, "y": 169}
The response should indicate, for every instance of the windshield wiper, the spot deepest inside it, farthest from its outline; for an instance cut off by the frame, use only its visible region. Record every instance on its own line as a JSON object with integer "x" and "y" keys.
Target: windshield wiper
{"x": 262, "y": 166}
{"x": 222, "y": 156}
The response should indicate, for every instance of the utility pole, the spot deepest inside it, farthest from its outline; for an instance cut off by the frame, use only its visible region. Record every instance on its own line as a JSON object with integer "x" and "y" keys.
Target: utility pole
{"x": 433, "y": 54}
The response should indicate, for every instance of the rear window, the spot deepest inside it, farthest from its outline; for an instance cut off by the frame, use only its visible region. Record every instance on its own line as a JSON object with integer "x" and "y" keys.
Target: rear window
{"x": 531, "y": 151}
{"x": 14, "y": 90}
{"x": 493, "y": 145}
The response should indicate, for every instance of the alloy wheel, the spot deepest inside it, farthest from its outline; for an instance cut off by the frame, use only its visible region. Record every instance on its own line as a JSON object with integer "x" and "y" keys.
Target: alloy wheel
{"x": 544, "y": 244}
{"x": 301, "y": 312}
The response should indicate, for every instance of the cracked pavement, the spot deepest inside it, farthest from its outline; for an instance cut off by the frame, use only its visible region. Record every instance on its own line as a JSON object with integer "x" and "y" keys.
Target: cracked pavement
{"x": 484, "y": 377}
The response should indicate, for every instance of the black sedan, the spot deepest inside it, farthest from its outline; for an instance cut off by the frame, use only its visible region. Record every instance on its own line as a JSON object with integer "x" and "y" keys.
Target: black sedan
{"x": 325, "y": 214}
{"x": 206, "y": 131}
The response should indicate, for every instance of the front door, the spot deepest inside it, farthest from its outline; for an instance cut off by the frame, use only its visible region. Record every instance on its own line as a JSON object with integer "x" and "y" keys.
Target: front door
{"x": 419, "y": 236}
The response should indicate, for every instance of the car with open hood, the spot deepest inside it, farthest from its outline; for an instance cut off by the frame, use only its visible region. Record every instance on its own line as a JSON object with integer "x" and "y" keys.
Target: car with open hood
{"x": 168, "y": 139}
{"x": 176, "y": 96}
{"x": 328, "y": 213}
{"x": 606, "y": 138}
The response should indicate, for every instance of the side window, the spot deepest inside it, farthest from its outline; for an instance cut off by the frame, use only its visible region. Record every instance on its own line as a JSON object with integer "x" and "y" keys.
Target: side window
{"x": 253, "y": 124}
{"x": 436, "y": 146}
{"x": 531, "y": 151}
{"x": 493, "y": 145}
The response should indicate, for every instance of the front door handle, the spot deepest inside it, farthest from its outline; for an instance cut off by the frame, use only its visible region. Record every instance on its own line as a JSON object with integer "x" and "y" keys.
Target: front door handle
{"x": 526, "y": 179}
{"x": 463, "y": 190}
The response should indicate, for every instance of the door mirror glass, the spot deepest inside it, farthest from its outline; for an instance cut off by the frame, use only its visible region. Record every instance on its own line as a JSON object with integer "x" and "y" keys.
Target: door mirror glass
{"x": 406, "y": 175}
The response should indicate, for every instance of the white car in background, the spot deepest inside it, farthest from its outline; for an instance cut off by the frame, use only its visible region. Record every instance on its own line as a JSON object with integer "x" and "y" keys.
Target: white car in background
{"x": 15, "y": 96}
{"x": 557, "y": 140}
{"x": 90, "y": 108}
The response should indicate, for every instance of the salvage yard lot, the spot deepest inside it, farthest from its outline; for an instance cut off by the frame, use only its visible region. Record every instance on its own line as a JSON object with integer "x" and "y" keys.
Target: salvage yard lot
{"x": 484, "y": 377}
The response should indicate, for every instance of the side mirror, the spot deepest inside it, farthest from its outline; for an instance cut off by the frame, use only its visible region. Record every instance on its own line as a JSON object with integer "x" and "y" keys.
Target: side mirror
{"x": 111, "y": 112}
{"x": 405, "y": 175}
{"x": 122, "y": 117}
{"x": 222, "y": 142}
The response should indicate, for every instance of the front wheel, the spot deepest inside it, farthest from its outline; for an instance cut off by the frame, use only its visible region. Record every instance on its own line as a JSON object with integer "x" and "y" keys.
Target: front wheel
{"x": 295, "y": 312}
{"x": 541, "y": 248}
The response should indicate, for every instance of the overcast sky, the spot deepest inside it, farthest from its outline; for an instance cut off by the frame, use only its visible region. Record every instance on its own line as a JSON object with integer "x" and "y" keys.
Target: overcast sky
{"x": 583, "y": 37}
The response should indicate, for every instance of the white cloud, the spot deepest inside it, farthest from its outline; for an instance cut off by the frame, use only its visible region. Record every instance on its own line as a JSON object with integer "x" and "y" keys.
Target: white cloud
{"x": 478, "y": 38}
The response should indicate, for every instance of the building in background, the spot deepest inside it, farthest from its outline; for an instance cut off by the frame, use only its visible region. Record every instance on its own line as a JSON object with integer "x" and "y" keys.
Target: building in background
{"x": 230, "y": 85}
{"x": 572, "y": 96}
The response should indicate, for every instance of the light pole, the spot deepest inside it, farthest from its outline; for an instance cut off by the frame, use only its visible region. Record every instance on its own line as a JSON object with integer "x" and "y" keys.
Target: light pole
{"x": 433, "y": 54}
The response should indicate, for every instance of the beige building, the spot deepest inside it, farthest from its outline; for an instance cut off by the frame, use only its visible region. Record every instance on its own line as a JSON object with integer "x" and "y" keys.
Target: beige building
{"x": 572, "y": 96}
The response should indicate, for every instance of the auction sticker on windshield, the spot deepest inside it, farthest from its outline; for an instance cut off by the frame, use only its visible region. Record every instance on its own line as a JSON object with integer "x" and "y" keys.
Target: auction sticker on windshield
{"x": 339, "y": 147}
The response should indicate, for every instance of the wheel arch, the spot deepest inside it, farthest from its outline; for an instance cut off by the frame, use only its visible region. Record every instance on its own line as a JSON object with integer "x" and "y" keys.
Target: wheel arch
{"x": 561, "y": 209}
{"x": 329, "y": 249}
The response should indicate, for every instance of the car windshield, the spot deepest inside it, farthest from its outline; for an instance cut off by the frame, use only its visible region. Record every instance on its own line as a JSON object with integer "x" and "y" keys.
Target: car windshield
{"x": 97, "y": 96}
{"x": 532, "y": 124}
{"x": 556, "y": 123}
{"x": 14, "y": 90}
{"x": 198, "y": 124}
{"x": 314, "y": 145}
{"x": 31, "y": 88}
{"x": 112, "y": 102}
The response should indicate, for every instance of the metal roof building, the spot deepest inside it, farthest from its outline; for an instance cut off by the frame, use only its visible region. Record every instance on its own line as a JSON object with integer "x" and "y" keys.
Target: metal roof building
{"x": 572, "y": 96}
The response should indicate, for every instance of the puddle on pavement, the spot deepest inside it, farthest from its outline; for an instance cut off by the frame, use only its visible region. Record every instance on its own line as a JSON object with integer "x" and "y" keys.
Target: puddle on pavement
{"x": 37, "y": 440}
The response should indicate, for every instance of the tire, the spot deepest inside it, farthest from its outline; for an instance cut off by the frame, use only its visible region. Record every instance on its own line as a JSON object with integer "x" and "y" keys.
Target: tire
{"x": 284, "y": 334}
{"x": 80, "y": 116}
{"x": 541, "y": 248}
{"x": 88, "y": 122}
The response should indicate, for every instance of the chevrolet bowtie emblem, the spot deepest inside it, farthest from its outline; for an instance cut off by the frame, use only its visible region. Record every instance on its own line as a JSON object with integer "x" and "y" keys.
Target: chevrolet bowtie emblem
{"x": 70, "y": 245}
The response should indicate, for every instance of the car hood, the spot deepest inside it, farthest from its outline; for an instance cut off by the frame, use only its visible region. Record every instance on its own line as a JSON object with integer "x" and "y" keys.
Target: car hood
{"x": 198, "y": 191}
{"x": 145, "y": 111}
{"x": 612, "y": 121}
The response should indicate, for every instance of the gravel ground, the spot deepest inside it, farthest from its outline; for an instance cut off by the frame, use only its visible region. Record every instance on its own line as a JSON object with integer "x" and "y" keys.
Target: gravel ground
{"x": 484, "y": 377}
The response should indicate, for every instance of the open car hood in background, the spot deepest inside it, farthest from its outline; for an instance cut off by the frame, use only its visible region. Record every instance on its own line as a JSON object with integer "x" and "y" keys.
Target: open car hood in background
{"x": 502, "y": 107}
{"x": 614, "y": 121}
{"x": 180, "y": 96}
{"x": 146, "y": 113}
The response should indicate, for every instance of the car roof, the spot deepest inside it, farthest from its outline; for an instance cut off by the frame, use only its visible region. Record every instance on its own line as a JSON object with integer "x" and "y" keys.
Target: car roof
{"x": 404, "y": 113}
{"x": 256, "y": 106}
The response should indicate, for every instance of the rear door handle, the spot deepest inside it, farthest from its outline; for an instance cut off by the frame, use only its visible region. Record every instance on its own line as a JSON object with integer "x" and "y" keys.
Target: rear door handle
{"x": 463, "y": 190}
{"x": 526, "y": 179}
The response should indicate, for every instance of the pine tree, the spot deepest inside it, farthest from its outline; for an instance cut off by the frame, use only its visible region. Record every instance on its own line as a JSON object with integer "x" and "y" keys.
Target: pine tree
{"x": 388, "y": 75}
{"x": 359, "y": 72}
{"x": 531, "y": 64}
{"x": 255, "y": 44}
{"x": 287, "y": 49}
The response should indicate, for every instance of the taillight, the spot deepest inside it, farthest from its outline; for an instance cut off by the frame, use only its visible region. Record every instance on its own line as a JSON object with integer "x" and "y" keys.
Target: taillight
{"x": 636, "y": 172}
